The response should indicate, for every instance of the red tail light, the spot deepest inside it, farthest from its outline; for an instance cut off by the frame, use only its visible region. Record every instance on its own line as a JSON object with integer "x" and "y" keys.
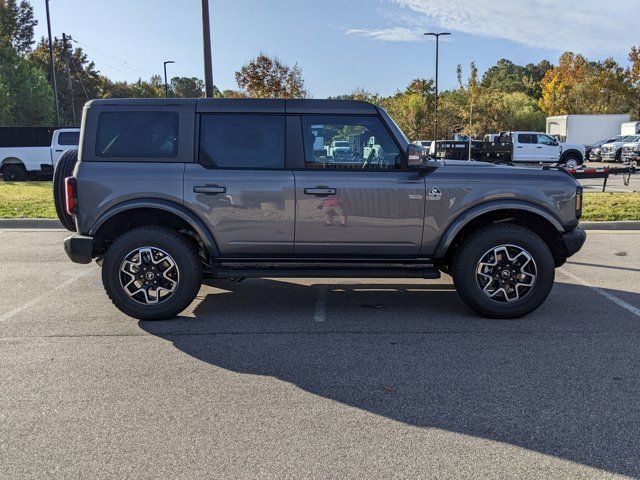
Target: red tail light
{"x": 71, "y": 195}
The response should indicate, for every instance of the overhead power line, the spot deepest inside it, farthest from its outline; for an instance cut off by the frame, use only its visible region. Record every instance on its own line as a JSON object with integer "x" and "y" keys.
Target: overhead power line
{"x": 116, "y": 63}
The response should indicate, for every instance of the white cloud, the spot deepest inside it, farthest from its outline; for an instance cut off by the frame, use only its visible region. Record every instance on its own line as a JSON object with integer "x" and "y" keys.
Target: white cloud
{"x": 397, "y": 34}
{"x": 585, "y": 26}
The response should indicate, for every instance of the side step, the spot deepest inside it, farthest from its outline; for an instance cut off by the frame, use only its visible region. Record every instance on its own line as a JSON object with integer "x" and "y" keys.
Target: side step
{"x": 292, "y": 269}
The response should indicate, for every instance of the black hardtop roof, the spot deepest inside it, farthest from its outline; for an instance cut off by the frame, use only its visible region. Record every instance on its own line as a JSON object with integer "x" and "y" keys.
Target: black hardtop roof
{"x": 249, "y": 105}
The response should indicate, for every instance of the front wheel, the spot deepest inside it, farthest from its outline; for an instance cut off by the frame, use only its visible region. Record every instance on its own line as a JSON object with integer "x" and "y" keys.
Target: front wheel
{"x": 571, "y": 162}
{"x": 152, "y": 273}
{"x": 503, "y": 271}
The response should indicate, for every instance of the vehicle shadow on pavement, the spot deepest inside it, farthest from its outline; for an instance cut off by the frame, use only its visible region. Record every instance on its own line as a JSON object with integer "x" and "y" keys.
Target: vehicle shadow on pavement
{"x": 559, "y": 381}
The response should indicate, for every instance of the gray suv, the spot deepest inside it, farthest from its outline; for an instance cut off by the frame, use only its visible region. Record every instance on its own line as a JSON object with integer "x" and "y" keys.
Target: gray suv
{"x": 164, "y": 193}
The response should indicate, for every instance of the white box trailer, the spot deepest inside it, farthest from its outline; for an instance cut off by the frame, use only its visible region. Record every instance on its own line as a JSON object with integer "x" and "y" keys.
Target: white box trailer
{"x": 585, "y": 129}
{"x": 630, "y": 128}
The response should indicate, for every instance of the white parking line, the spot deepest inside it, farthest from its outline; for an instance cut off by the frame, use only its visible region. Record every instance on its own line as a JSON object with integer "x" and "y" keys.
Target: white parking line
{"x": 26, "y": 306}
{"x": 605, "y": 294}
{"x": 320, "y": 312}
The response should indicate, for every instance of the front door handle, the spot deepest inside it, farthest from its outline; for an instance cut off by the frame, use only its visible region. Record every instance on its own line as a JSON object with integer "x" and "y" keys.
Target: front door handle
{"x": 538, "y": 147}
{"x": 209, "y": 189}
{"x": 320, "y": 191}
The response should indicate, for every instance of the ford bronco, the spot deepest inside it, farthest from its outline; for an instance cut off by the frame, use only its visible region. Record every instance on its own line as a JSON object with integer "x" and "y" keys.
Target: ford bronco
{"x": 163, "y": 193}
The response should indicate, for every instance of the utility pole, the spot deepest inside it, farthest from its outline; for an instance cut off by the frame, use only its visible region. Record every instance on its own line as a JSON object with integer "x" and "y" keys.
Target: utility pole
{"x": 206, "y": 40}
{"x": 166, "y": 85}
{"x": 53, "y": 65}
{"x": 67, "y": 56}
{"x": 435, "y": 130}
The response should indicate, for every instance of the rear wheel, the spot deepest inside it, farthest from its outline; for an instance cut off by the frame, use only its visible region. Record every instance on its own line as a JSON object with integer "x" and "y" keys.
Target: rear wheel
{"x": 14, "y": 173}
{"x": 64, "y": 169}
{"x": 503, "y": 271}
{"x": 152, "y": 273}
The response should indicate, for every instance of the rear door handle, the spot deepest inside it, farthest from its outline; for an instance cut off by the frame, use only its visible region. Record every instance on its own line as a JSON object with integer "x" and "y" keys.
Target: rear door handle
{"x": 538, "y": 147}
{"x": 209, "y": 189}
{"x": 58, "y": 150}
{"x": 320, "y": 191}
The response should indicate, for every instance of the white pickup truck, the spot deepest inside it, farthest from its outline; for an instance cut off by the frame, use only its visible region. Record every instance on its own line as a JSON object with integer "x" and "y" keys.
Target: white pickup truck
{"x": 537, "y": 147}
{"x": 22, "y": 158}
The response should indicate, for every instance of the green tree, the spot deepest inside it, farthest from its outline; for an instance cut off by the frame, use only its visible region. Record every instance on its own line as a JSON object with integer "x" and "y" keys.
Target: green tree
{"x": 413, "y": 109}
{"x": 187, "y": 87}
{"x": 16, "y": 25}
{"x": 25, "y": 95}
{"x": 154, "y": 88}
{"x": 267, "y": 77}
{"x": 633, "y": 77}
{"x": 77, "y": 77}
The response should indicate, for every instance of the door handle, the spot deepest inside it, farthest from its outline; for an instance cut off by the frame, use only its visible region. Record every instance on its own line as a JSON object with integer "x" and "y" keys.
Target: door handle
{"x": 320, "y": 191}
{"x": 518, "y": 147}
{"x": 538, "y": 147}
{"x": 209, "y": 189}
{"x": 58, "y": 150}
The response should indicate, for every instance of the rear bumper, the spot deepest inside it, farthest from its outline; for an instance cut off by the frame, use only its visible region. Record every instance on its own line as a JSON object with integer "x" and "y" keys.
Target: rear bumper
{"x": 79, "y": 248}
{"x": 573, "y": 241}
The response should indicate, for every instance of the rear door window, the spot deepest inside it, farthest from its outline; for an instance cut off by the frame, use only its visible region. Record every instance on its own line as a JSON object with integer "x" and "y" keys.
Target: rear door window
{"x": 242, "y": 141}
{"x": 137, "y": 134}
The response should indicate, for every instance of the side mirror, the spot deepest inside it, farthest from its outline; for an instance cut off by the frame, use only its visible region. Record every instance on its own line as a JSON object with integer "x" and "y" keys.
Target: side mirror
{"x": 417, "y": 156}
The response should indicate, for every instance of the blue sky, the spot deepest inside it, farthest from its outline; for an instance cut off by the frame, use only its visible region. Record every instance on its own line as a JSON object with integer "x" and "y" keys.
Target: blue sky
{"x": 339, "y": 44}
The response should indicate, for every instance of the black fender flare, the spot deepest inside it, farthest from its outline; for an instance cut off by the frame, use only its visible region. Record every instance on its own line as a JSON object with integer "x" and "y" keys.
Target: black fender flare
{"x": 168, "y": 206}
{"x": 468, "y": 215}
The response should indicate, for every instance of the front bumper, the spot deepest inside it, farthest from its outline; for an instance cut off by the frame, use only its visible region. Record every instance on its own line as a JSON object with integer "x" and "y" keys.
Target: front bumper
{"x": 79, "y": 248}
{"x": 572, "y": 242}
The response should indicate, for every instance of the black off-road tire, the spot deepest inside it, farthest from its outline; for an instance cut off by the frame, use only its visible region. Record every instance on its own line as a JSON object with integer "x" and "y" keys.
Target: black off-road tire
{"x": 179, "y": 247}
{"x": 64, "y": 169}
{"x": 14, "y": 172}
{"x": 469, "y": 254}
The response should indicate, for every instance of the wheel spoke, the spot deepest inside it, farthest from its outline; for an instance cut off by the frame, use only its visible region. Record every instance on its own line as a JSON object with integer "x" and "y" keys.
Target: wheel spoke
{"x": 506, "y": 273}
{"x": 149, "y": 275}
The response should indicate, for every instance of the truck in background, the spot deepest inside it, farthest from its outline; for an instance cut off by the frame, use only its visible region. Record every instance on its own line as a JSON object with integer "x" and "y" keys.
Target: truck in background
{"x": 630, "y": 128}
{"x": 586, "y": 129}
{"x": 33, "y": 152}
{"x": 524, "y": 148}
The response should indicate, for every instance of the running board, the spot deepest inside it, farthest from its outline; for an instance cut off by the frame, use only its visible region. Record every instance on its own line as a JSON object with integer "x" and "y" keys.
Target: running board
{"x": 234, "y": 269}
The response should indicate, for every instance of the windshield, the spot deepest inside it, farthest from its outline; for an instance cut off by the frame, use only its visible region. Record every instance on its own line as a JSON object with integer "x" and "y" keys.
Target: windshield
{"x": 341, "y": 144}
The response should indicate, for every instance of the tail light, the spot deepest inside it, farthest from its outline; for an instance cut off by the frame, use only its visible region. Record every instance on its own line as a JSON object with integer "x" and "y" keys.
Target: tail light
{"x": 579, "y": 203}
{"x": 71, "y": 195}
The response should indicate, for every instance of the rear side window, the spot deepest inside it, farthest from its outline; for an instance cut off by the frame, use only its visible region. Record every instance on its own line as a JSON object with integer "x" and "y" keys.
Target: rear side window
{"x": 242, "y": 141}
{"x": 137, "y": 134}
{"x": 69, "y": 138}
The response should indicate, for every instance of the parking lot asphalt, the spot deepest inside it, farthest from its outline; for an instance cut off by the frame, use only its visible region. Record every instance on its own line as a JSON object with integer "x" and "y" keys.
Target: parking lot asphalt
{"x": 316, "y": 378}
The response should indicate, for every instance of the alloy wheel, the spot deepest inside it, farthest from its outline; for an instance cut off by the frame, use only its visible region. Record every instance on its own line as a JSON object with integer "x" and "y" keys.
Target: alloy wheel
{"x": 506, "y": 273}
{"x": 149, "y": 275}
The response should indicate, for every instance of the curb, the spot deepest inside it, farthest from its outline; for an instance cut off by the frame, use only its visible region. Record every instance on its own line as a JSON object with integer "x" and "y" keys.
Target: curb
{"x": 30, "y": 223}
{"x": 624, "y": 225}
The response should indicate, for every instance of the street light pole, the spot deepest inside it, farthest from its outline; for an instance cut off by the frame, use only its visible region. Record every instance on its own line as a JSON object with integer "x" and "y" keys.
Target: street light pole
{"x": 206, "y": 41}
{"x": 53, "y": 65}
{"x": 435, "y": 130}
{"x": 166, "y": 85}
